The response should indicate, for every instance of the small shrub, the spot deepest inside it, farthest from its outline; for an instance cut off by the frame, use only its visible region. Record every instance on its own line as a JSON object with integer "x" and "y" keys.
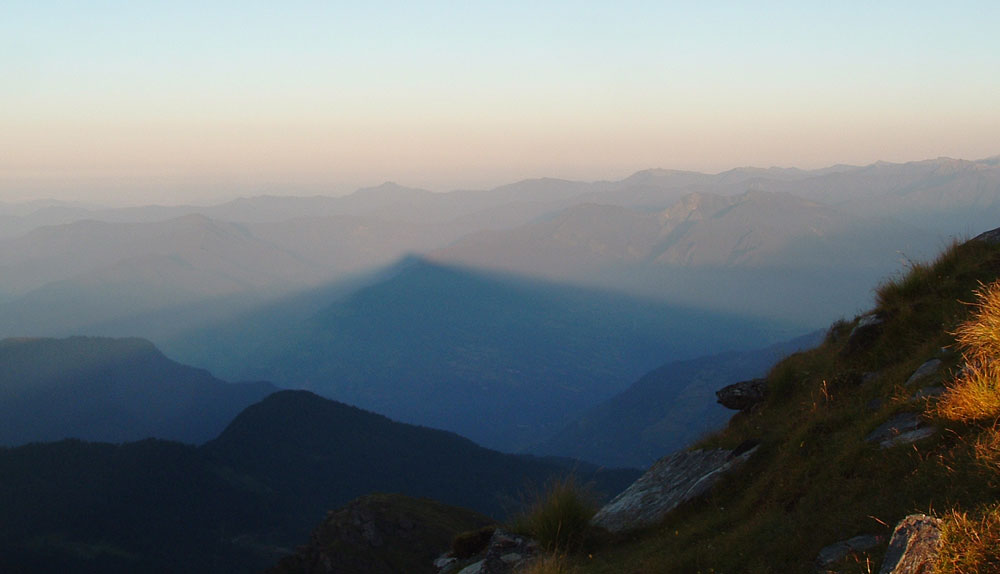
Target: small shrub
{"x": 975, "y": 395}
{"x": 920, "y": 279}
{"x": 970, "y": 545}
{"x": 468, "y": 544}
{"x": 560, "y": 519}
{"x": 979, "y": 337}
{"x": 838, "y": 331}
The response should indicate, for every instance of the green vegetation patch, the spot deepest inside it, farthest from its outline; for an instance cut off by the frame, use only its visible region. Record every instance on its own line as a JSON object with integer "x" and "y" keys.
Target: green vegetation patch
{"x": 816, "y": 480}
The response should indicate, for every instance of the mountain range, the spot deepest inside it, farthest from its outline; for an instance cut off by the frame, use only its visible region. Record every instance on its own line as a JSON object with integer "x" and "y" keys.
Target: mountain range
{"x": 243, "y": 499}
{"x": 666, "y": 409}
{"x": 499, "y": 359}
{"x": 111, "y": 390}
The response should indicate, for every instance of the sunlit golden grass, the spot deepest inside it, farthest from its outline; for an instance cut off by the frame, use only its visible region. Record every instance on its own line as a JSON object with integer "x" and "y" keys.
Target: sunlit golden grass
{"x": 979, "y": 337}
{"x": 975, "y": 394}
{"x": 987, "y": 450}
{"x": 970, "y": 544}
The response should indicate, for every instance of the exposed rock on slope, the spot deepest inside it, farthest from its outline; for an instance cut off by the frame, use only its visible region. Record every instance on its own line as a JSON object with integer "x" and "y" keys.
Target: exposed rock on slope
{"x": 742, "y": 396}
{"x": 666, "y": 410}
{"x": 673, "y": 480}
{"x": 503, "y": 553}
{"x": 914, "y": 546}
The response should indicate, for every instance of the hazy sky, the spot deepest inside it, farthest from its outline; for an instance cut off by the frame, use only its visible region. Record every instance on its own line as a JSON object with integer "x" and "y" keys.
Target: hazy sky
{"x": 198, "y": 101}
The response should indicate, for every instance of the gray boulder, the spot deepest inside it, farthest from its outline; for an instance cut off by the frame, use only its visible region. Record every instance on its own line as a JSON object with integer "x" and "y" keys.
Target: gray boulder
{"x": 914, "y": 546}
{"x": 742, "y": 396}
{"x": 672, "y": 480}
{"x": 923, "y": 371}
{"x": 903, "y": 428}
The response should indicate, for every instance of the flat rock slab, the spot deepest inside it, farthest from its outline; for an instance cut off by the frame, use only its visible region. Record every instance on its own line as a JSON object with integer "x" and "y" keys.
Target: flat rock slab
{"x": 903, "y": 428}
{"x": 914, "y": 546}
{"x": 837, "y": 551}
{"x": 924, "y": 371}
{"x": 672, "y": 480}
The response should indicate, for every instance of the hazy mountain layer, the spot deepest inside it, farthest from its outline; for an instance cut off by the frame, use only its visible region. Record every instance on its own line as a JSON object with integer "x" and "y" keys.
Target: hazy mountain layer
{"x": 95, "y": 270}
{"x": 110, "y": 390}
{"x": 819, "y": 260}
{"x": 501, "y": 360}
{"x": 666, "y": 410}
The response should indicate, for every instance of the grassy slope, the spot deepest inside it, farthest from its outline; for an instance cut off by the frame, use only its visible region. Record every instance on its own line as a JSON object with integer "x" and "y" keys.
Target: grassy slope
{"x": 815, "y": 480}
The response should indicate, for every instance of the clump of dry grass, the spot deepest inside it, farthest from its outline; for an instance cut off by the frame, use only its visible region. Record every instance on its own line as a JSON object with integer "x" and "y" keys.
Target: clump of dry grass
{"x": 987, "y": 450}
{"x": 980, "y": 336}
{"x": 970, "y": 545}
{"x": 554, "y": 563}
{"x": 559, "y": 519}
{"x": 975, "y": 394}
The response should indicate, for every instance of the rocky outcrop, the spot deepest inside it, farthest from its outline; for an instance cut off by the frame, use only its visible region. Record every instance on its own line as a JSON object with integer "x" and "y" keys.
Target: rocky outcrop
{"x": 503, "y": 554}
{"x": 903, "y": 428}
{"x": 914, "y": 546}
{"x": 381, "y": 533}
{"x": 742, "y": 396}
{"x": 672, "y": 480}
{"x": 992, "y": 236}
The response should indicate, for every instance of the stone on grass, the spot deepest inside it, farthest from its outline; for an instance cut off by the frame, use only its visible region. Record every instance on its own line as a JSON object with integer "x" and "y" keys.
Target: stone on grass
{"x": 924, "y": 371}
{"x": 914, "y": 546}
{"x": 672, "y": 480}
{"x": 903, "y": 428}
{"x": 742, "y": 396}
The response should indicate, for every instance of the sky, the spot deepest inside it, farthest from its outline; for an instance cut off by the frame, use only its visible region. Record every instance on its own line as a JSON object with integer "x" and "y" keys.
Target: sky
{"x": 175, "y": 102}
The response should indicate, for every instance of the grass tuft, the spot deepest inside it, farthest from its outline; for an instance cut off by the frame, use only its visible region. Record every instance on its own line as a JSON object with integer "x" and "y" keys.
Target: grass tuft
{"x": 970, "y": 545}
{"x": 980, "y": 336}
{"x": 986, "y": 449}
{"x": 560, "y": 519}
{"x": 975, "y": 394}
{"x": 554, "y": 563}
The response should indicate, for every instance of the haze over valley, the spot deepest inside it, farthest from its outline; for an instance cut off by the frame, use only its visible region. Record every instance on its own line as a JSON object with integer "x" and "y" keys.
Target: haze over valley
{"x": 587, "y": 321}
{"x": 326, "y": 286}
{"x": 503, "y": 315}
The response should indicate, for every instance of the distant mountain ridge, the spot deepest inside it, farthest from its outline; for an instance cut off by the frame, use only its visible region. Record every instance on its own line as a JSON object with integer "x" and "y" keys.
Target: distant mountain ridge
{"x": 241, "y": 501}
{"x": 667, "y": 409}
{"x": 717, "y": 252}
{"x": 139, "y": 261}
{"x": 111, "y": 390}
